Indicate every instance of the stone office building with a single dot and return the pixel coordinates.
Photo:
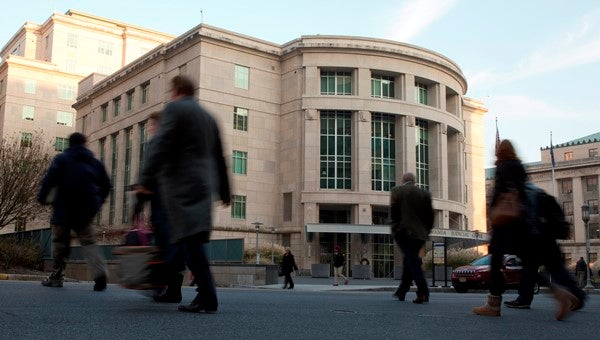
(316, 132)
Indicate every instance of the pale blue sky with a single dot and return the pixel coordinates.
(535, 64)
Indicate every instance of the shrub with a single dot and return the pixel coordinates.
(265, 254)
(20, 254)
(456, 257)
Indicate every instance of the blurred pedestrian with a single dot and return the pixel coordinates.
(288, 265)
(80, 185)
(581, 272)
(339, 260)
(172, 272)
(412, 220)
(186, 158)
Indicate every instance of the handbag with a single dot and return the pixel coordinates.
(140, 267)
(507, 208)
(140, 233)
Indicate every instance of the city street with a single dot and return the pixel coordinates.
(30, 311)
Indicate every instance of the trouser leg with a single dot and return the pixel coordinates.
(197, 261)
(91, 251)
(61, 246)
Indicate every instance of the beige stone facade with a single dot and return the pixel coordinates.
(42, 64)
(316, 131)
(577, 167)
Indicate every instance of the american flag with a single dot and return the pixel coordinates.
(552, 151)
(497, 135)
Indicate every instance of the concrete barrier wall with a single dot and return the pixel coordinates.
(225, 275)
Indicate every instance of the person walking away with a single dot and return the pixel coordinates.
(412, 220)
(581, 272)
(339, 260)
(81, 185)
(186, 158)
(288, 265)
(170, 253)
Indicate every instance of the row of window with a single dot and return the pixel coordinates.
(104, 47)
(116, 109)
(568, 207)
(62, 118)
(590, 184)
(60, 143)
(568, 156)
(65, 91)
(382, 86)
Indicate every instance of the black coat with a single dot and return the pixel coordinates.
(288, 264)
(81, 184)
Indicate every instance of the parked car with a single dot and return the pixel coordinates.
(477, 274)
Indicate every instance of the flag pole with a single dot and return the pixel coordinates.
(553, 163)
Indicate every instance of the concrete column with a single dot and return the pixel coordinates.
(362, 152)
(578, 225)
(441, 93)
(363, 83)
(363, 215)
(409, 88)
(438, 162)
(312, 151)
(313, 82)
(405, 145)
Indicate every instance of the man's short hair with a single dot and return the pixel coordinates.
(77, 139)
(183, 86)
(408, 177)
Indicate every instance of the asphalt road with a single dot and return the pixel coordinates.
(30, 311)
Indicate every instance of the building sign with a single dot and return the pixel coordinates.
(473, 235)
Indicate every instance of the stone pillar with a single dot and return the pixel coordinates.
(311, 150)
(363, 83)
(406, 145)
(409, 87)
(313, 82)
(438, 161)
(362, 152)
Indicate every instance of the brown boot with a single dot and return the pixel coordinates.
(566, 301)
(491, 308)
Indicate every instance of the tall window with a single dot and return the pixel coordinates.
(66, 91)
(105, 47)
(102, 151)
(28, 112)
(240, 119)
(64, 118)
(422, 149)
(103, 112)
(26, 139)
(116, 106)
(113, 178)
(593, 152)
(565, 185)
(336, 83)
(127, 174)
(382, 86)
(568, 208)
(238, 207)
(421, 94)
(30, 85)
(591, 183)
(72, 40)
(143, 145)
(130, 96)
(287, 206)
(593, 206)
(242, 77)
(383, 152)
(336, 150)
(145, 87)
(61, 144)
(240, 160)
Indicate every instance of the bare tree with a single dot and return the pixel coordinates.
(23, 162)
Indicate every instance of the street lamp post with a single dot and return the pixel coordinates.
(585, 216)
(257, 226)
(272, 245)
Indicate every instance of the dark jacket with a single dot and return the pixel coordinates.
(81, 185)
(288, 264)
(412, 211)
(338, 259)
(186, 157)
(510, 174)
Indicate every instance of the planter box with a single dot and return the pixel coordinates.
(320, 269)
(361, 271)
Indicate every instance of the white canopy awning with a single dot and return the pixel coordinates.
(386, 229)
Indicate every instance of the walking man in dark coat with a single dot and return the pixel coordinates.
(186, 158)
(412, 220)
(79, 184)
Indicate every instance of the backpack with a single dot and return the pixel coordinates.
(549, 219)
